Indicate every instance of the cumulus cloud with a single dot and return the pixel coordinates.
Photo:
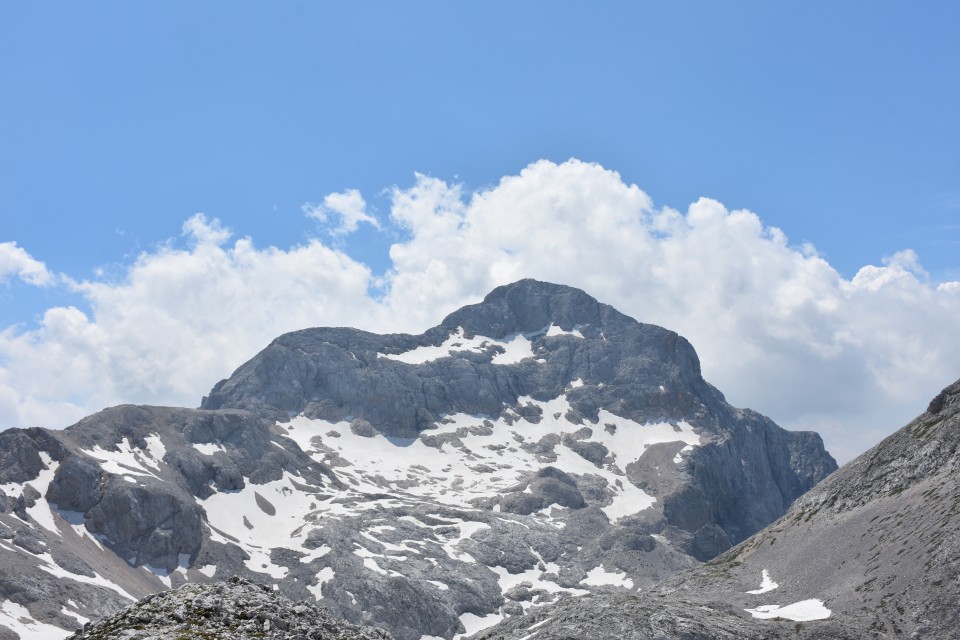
(180, 320)
(14, 261)
(348, 205)
(776, 327)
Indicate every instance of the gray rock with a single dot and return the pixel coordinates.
(386, 551)
(19, 457)
(652, 617)
(744, 476)
(237, 609)
(877, 542)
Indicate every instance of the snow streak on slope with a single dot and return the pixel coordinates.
(803, 611)
(130, 462)
(16, 618)
(509, 350)
(766, 584)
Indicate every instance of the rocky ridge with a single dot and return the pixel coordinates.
(236, 609)
(544, 445)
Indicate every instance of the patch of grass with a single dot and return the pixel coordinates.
(923, 430)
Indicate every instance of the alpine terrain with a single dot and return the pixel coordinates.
(533, 446)
(871, 552)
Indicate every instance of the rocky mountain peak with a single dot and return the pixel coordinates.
(528, 306)
(529, 338)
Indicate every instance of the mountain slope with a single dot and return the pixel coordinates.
(535, 445)
(871, 552)
(878, 541)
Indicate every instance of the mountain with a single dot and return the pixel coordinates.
(535, 445)
(873, 551)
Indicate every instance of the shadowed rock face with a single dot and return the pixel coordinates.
(876, 543)
(537, 444)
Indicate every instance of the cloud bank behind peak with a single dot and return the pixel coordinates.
(777, 328)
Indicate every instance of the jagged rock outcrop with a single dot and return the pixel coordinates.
(237, 609)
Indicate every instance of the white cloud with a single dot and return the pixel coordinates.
(203, 231)
(349, 205)
(776, 327)
(177, 323)
(14, 261)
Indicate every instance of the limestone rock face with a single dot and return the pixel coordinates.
(872, 552)
(237, 609)
(536, 445)
(402, 385)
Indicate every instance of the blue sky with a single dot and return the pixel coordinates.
(834, 122)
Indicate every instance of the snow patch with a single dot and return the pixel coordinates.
(599, 576)
(208, 448)
(515, 349)
(325, 575)
(766, 584)
(474, 623)
(534, 626)
(370, 562)
(677, 459)
(56, 570)
(73, 614)
(555, 330)
(803, 611)
(41, 511)
(154, 451)
(508, 580)
(127, 459)
(313, 554)
(18, 619)
(161, 573)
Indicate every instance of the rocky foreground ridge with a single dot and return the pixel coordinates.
(533, 446)
(237, 609)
